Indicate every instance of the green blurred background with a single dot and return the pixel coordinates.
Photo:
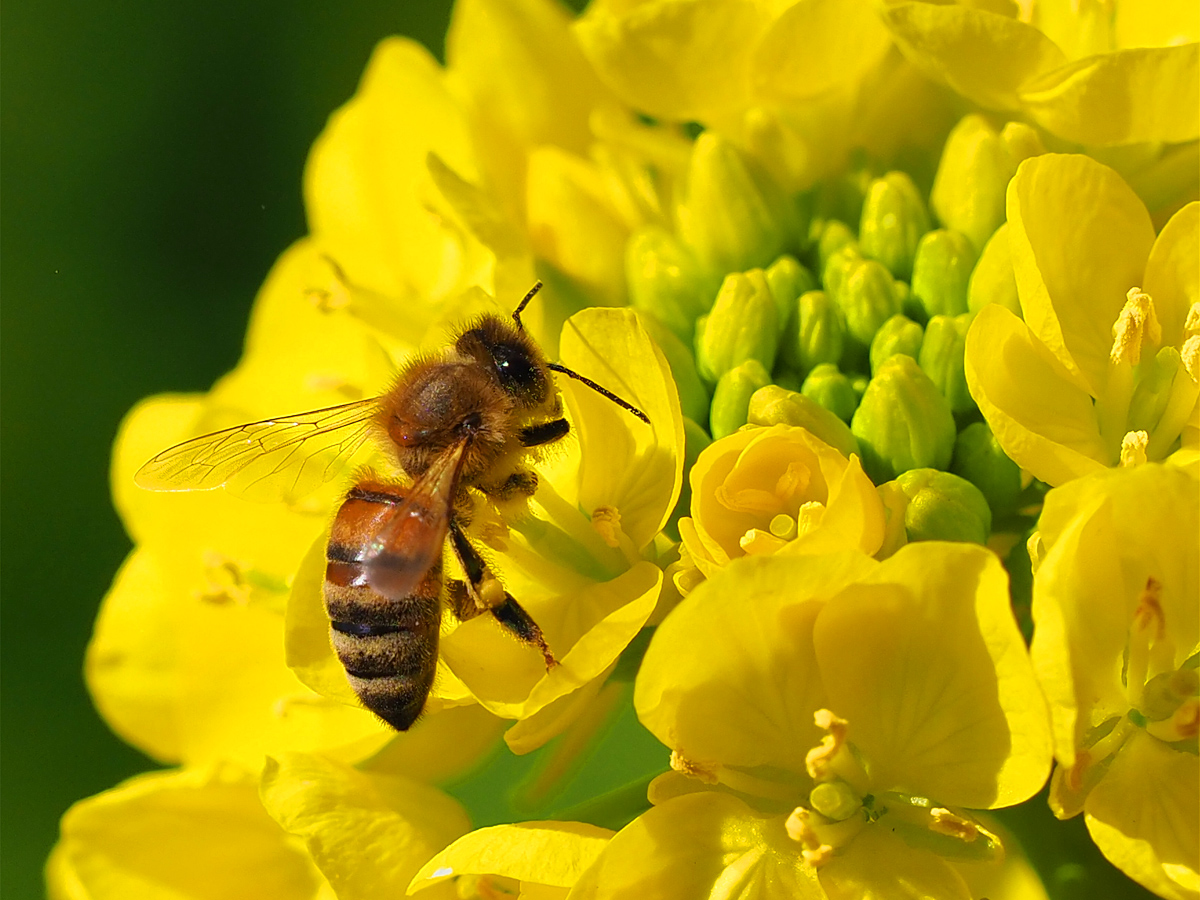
(150, 175)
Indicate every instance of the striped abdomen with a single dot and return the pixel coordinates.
(389, 647)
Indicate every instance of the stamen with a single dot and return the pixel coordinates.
(1133, 448)
(809, 517)
(799, 829)
(1147, 628)
(757, 542)
(705, 772)
(1136, 328)
(818, 760)
(953, 825)
(1183, 725)
(1192, 323)
(607, 522)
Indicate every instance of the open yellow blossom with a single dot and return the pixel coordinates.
(1108, 347)
(841, 715)
(778, 489)
(1116, 605)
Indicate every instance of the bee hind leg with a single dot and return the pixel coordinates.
(482, 592)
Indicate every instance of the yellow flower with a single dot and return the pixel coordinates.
(1103, 369)
(1098, 73)
(767, 490)
(1116, 603)
(842, 712)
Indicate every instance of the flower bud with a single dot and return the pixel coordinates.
(941, 358)
(787, 280)
(941, 272)
(743, 325)
(773, 405)
(992, 280)
(693, 396)
(893, 220)
(972, 178)
(834, 236)
(979, 459)
(814, 333)
(836, 269)
(944, 507)
(899, 334)
(867, 299)
(664, 280)
(731, 399)
(832, 390)
(734, 217)
(902, 422)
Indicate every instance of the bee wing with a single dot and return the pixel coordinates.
(273, 459)
(410, 542)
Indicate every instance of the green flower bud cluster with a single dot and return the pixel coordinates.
(843, 309)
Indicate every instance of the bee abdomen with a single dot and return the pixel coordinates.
(388, 646)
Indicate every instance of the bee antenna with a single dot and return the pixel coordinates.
(624, 404)
(537, 286)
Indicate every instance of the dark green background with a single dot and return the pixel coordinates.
(150, 169)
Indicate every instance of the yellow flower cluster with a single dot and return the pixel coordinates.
(892, 352)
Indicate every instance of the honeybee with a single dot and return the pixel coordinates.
(459, 425)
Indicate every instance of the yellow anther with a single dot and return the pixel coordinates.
(607, 522)
(1192, 323)
(1136, 327)
(706, 772)
(1190, 354)
(799, 826)
(793, 482)
(1036, 549)
(757, 542)
(1148, 616)
(1133, 448)
(952, 825)
(818, 760)
(490, 594)
(809, 517)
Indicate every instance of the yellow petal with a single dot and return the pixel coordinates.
(1143, 816)
(983, 55)
(1080, 238)
(368, 834)
(1130, 96)
(439, 747)
(1173, 272)
(626, 464)
(748, 699)
(700, 845)
(367, 191)
(198, 834)
(1042, 417)
(877, 865)
(550, 853)
(678, 60)
(925, 661)
(843, 40)
(587, 632)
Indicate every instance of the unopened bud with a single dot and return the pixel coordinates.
(834, 236)
(902, 422)
(665, 280)
(773, 405)
(734, 216)
(830, 388)
(972, 179)
(893, 219)
(941, 272)
(814, 333)
(836, 268)
(743, 325)
(867, 299)
(731, 399)
(979, 459)
(899, 334)
(787, 280)
(941, 358)
(992, 280)
(943, 507)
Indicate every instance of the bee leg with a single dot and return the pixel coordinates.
(485, 590)
(544, 432)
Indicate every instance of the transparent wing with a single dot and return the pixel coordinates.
(279, 458)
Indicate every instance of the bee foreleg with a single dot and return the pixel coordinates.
(544, 432)
(483, 591)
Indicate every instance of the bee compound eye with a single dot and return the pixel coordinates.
(515, 368)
